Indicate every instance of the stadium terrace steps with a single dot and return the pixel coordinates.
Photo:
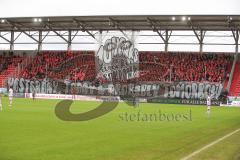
(14, 67)
(228, 71)
(235, 86)
(12, 64)
(4, 74)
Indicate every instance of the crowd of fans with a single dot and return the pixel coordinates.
(79, 68)
(5, 61)
(153, 66)
(61, 65)
(184, 66)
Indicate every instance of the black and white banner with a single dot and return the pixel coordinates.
(117, 60)
(182, 90)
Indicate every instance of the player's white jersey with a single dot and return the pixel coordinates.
(0, 103)
(10, 92)
(209, 101)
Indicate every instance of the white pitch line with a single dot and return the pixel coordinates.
(209, 145)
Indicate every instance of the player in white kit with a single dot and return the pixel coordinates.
(10, 96)
(209, 98)
(1, 102)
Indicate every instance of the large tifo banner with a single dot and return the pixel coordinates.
(179, 90)
(117, 59)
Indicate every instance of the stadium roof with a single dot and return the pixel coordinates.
(128, 22)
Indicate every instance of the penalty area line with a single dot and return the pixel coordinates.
(209, 145)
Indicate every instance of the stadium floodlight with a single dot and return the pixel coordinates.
(35, 20)
(3, 21)
(173, 18)
(229, 19)
(39, 20)
(183, 18)
(189, 18)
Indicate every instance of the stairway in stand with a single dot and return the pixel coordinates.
(5, 73)
(235, 86)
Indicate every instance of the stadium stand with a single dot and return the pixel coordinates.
(154, 66)
(8, 65)
(61, 65)
(235, 86)
(157, 66)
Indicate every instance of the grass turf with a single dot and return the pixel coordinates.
(31, 131)
(227, 149)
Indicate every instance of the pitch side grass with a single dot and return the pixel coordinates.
(31, 131)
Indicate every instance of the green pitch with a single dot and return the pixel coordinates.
(31, 131)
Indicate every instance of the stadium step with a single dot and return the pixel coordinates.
(235, 86)
(229, 67)
(4, 74)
